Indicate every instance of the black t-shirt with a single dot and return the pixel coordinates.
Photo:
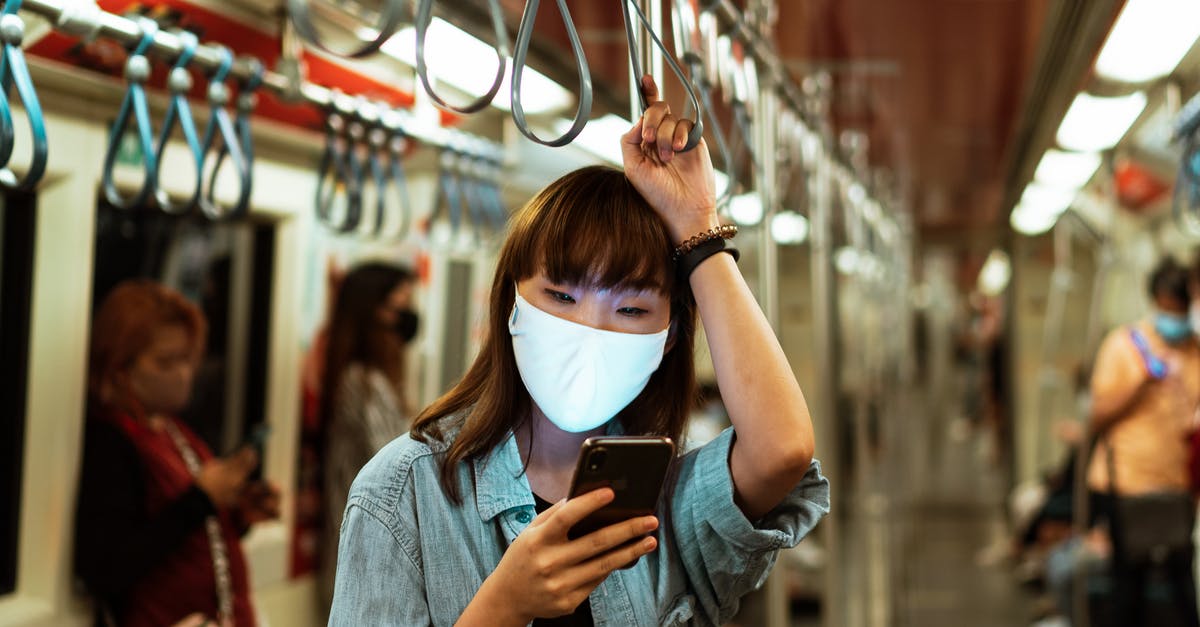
(582, 616)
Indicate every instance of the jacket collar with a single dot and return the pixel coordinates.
(500, 481)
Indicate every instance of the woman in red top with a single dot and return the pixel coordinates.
(159, 519)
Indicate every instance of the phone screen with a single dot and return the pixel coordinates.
(635, 467)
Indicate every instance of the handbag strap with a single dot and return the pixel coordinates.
(212, 527)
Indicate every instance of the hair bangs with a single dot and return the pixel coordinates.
(597, 231)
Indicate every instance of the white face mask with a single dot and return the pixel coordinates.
(580, 377)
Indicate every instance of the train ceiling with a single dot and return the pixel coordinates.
(938, 87)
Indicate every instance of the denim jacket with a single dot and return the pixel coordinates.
(409, 556)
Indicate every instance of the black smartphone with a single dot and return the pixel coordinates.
(635, 467)
(257, 439)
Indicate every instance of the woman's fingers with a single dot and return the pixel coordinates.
(575, 510)
(599, 567)
(665, 139)
(649, 89)
(682, 129)
(608, 538)
(545, 515)
(653, 119)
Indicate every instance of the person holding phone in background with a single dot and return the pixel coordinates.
(591, 327)
(159, 517)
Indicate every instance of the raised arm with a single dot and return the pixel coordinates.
(774, 445)
(1118, 379)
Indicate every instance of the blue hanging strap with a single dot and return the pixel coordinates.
(247, 100)
(220, 127)
(14, 71)
(424, 18)
(697, 130)
(1155, 366)
(447, 193)
(356, 176)
(583, 109)
(335, 178)
(137, 71)
(468, 185)
(395, 148)
(330, 171)
(179, 83)
(496, 209)
(376, 140)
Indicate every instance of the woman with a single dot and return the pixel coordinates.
(363, 405)
(158, 527)
(440, 526)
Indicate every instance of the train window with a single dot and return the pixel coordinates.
(17, 223)
(225, 268)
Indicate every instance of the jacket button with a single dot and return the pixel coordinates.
(524, 517)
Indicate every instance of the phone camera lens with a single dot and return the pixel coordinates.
(596, 460)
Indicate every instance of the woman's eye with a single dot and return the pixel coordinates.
(561, 297)
(631, 311)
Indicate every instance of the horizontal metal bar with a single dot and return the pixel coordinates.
(85, 19)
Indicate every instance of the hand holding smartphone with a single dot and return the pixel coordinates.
(634, 467)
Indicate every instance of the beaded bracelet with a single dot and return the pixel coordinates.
(725, 231)
(688, 262)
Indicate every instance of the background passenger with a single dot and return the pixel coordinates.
(440, 527)
(363, 404)
(159, 521)
(1145, 395)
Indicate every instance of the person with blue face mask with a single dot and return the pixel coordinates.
(591, 327)
(1145, 391)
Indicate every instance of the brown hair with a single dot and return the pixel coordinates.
(590, 227)
(124, 326)
(357, 336)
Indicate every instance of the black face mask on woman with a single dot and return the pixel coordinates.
(406, 324)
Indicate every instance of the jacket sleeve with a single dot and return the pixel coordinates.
(724, 554)
(379, 578)
(116, 543)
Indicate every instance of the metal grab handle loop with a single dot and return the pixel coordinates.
(690, 32)
(398, 180)
(583, 109)
(423, 19)
(179, 82)
(15, 72)
(221, 125)
(137, 70)
(389, 21)
(697, 131)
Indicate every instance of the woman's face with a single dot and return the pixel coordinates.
(161, 377)
(620, 310)
(398, 300)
